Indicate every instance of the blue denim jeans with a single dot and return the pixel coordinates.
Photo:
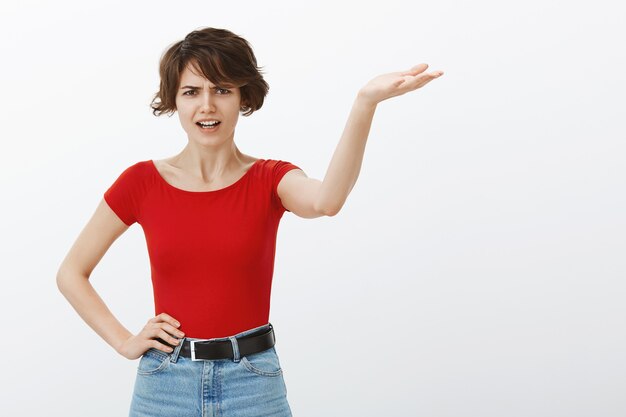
(170, 385)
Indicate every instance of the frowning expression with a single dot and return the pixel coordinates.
(207, 112)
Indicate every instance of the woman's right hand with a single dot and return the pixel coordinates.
(162, 326)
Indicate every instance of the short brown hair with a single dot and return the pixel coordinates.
(219, 55)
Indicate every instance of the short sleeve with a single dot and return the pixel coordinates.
(279, 170)
(125, 194)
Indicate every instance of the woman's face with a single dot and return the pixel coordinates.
(197, 99)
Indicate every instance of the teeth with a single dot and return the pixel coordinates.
(212, 123)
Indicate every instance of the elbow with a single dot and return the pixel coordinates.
(327, 209)
(330, 212)
(65, 279)
(61, 282)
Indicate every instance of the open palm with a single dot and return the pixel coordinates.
(394, 84)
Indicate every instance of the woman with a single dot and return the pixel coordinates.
(210, 215)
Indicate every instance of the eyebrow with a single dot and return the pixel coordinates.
(197, 88)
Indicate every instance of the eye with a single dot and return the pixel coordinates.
(222, 91)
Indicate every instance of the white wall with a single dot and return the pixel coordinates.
(477, 268)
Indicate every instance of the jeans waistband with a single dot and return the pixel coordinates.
(232, 339)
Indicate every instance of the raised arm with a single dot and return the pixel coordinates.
(308, 197)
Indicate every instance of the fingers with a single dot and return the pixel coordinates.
(166, 318)
(431, 75)
(165, 336)
(172, 330)
(170, 324)
(165, 327)
(424, 79)
(419, 79)
(158, 345)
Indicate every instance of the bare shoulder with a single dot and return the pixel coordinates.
(164, 166)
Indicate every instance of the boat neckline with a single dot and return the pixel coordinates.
(240, 180)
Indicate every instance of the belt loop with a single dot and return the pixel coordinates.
(233, 341)
(175, 353)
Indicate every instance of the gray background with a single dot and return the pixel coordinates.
(477, 268)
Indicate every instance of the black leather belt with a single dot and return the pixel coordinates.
(223, 349)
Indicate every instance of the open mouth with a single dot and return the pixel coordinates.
(208, 125)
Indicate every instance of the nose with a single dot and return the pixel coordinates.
(207, 101)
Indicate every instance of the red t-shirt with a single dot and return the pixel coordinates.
(211, 252)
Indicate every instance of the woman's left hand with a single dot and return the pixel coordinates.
(397, 83)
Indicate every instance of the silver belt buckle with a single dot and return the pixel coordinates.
(192, 346)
